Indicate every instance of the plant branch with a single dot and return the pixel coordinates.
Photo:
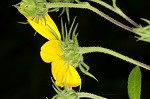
(117, 10)
(89, 95)
(86, 5)
(84, 50)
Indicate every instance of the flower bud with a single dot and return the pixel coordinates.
(32, 8)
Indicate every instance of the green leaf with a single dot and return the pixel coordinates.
(134, 83)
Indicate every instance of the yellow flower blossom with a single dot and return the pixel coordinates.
(63, 54)
(51, 51)
(63, 72)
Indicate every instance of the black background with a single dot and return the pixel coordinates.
(25, 76)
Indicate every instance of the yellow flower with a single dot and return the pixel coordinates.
(45, 26)
(51, 51)
(62, 71)
(64, 54)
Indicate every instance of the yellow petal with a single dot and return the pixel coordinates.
(51, 51)
(43, 26)
(72, 77)
(51, 23)
(59, 70)
(65, 74)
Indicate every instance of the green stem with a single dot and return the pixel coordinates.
(89, 95)
(116, 10)
(84, 50)
(86, 5)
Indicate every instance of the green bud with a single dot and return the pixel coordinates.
(33, 8)
(67, 93)
(143, 32)
(70, 44)
(71, 54)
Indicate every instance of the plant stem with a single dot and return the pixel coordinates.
(116, 10)
(86, 5)
(84, 50)
(89, 95)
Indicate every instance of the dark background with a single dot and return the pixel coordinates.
(25, 76)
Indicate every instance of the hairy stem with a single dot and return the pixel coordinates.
(84, 50)
(116, 10)
(86, 5)
(89, 95)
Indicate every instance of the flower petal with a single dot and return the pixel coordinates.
(65, 74)
(43, 26)
(59, 70)
(72, 77)
(51, 51)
